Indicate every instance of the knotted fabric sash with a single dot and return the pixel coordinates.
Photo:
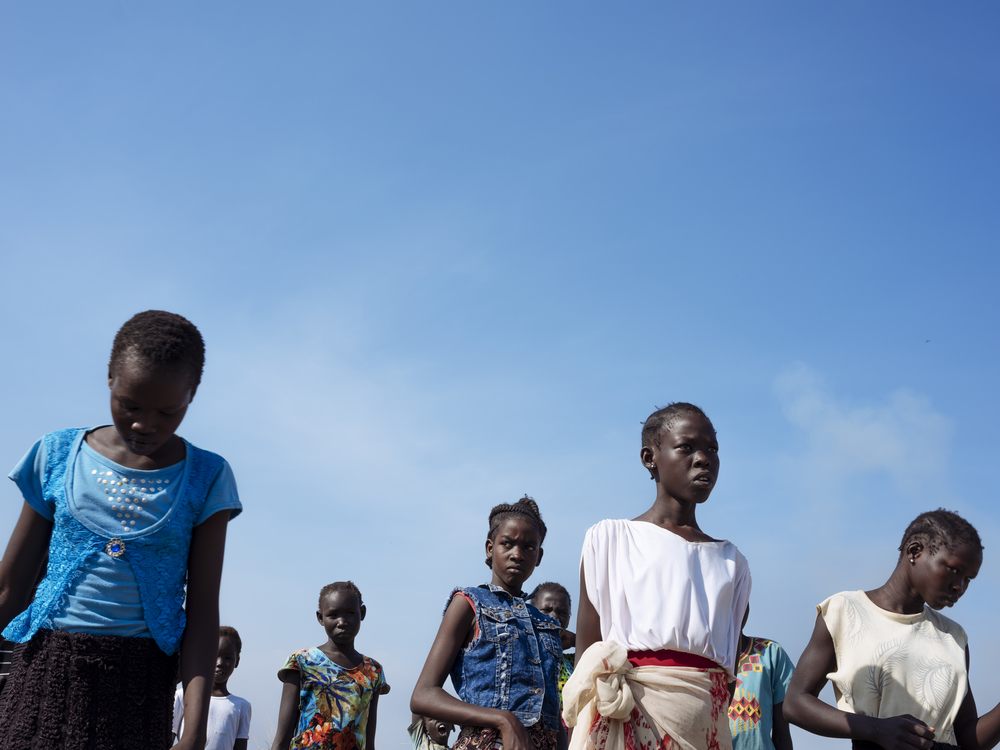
(615, 706)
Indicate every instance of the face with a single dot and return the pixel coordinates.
(686, 463)
(943, 577)
(341, 616)
(515, 551)
(438, 731)
(226, 661)
(555, 604)
(147, 405)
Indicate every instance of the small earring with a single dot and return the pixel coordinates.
(913, 561)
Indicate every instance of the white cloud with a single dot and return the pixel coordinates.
(903, 435)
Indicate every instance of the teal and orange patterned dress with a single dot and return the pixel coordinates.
(333, 700)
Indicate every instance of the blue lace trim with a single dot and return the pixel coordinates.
(158, 560)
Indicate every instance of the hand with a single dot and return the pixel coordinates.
(513, 735)
(903, 733)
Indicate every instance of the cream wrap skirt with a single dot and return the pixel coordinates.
(615, 706)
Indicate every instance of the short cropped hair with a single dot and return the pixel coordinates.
(347, 586)
(551, 587)
(663, 419)
(231, 633)
(160, 339)
(941, 528)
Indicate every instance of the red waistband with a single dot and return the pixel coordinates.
(666, 657)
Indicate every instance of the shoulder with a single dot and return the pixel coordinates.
(948, 626)
(373, 669)
(241, 704)
(610, 531)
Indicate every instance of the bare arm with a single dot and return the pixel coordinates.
(430, 699)
(975, 732)
(288, 711)
(588, 621)
(803, 707)
(200, 643)
(372, 721)
(29, 542)
(781, 735)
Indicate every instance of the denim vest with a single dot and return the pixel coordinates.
(513, 662)
(158, 558)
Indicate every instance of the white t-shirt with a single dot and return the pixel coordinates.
(890, 664)
(655, 590)
(228, 720)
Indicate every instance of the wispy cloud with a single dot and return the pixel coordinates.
(901, 435)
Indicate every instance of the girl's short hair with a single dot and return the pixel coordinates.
(551, 587)
(347, 586)
(227, 631)
(161, 339)
(663, 419)
(525, 508)
(941, 528)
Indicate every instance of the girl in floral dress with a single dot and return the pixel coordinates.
(330, 693)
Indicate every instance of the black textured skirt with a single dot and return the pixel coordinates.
(77, 691)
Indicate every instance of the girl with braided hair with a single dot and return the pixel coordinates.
(503, 655)
(899, 668)
(133, 518)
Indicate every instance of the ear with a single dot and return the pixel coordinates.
(194, 390)
(489, 548)
(237, 661)
(364, 611)
(913, 550)
(648, 458)
(319, 617)
(541, 551)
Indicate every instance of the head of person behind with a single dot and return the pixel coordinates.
(553, 599)
(890, 636)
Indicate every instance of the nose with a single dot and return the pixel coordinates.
(701, 459)
(516, 553)
(144, 425)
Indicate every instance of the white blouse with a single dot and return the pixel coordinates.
(656, 590)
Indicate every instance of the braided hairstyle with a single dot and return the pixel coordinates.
(159, 339)
(230, 633)
(940, 528)
(663, 419)
(347, 586)
(526, 508)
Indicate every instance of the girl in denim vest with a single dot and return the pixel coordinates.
(503, 655)
(128, 514)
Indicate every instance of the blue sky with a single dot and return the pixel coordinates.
(445, 254)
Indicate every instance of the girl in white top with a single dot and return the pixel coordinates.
(899, 668)
(661, 606)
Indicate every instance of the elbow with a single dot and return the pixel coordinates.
(416, 701)
(790, 707)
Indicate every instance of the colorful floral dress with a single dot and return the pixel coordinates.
(333, 700)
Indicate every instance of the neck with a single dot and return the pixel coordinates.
(672, 514)
(342, 653)
(744, 643)
(897, 594)
(513, 592)
(220, 689)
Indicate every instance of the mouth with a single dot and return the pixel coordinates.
(704, 479)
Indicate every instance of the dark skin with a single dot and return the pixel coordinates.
(341, 616)
(515, 551)
(937, 579)
(225, 663)
(147, 406)
(685, 467)
(556, 604)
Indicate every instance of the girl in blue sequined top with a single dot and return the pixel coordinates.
(133, 520)
(503, 655)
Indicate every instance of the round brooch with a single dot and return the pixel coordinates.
(115, 548)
